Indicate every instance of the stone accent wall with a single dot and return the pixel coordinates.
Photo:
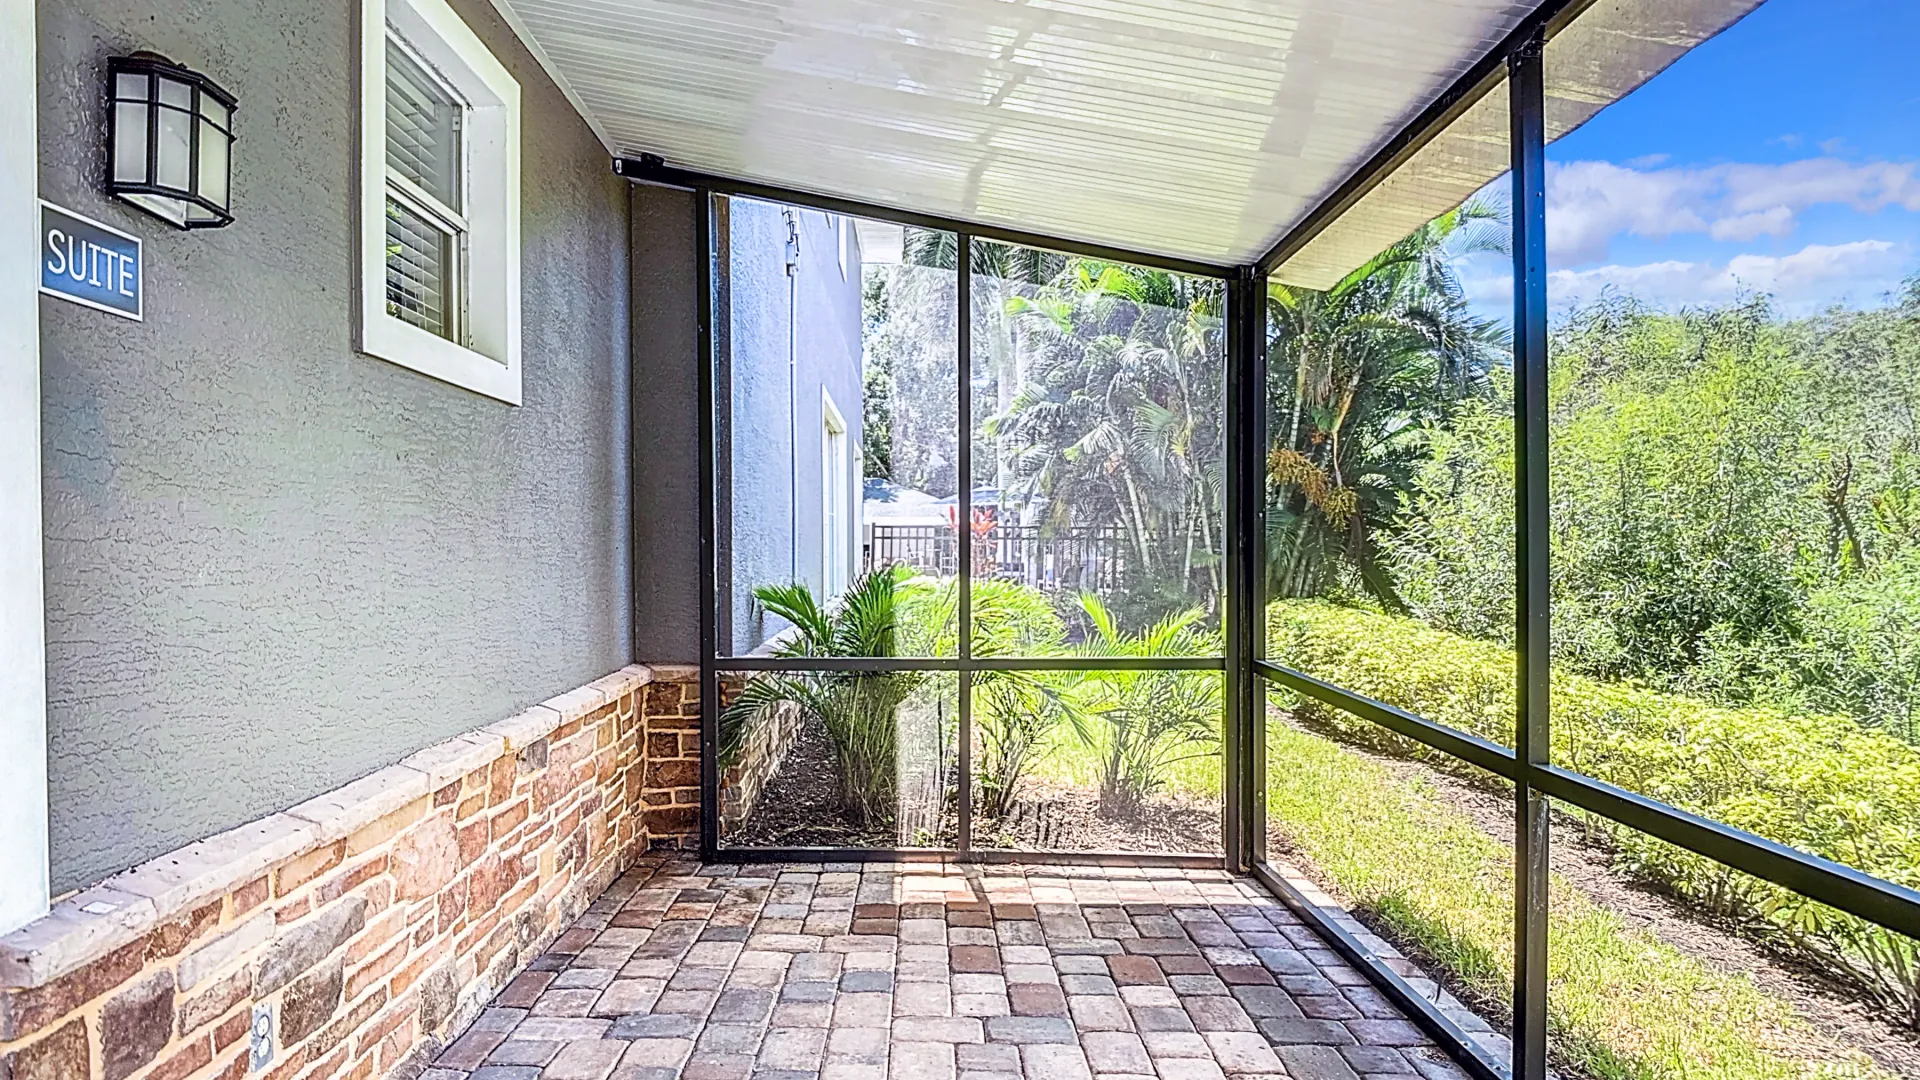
(348, 936)
(760, 757)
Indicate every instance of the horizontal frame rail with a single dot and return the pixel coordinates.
(1883, 903)
(1472, 749)
(654, 171)
(974, 855)
(978, 663)
(1422, 1011)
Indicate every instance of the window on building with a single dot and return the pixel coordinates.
(849, 248)
(836, 487)
(440, 275)
(426, 175)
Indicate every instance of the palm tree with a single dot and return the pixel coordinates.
(1000, 273)
(1118, 421)
(1151, 720)
(1373, 360)
(858, 709)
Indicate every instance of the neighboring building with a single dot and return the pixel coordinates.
(788, 362)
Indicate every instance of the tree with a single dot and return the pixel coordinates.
(856, 708)
(1360, 372)
(1117, 421)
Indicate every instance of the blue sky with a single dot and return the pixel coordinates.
(1783, 156)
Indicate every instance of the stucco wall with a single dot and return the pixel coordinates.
(813, 321)
(274, 564)
(666, 444)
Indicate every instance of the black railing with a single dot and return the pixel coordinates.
(1086, 558)
(930, 549)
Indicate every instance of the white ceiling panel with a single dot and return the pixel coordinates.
(1201, 129)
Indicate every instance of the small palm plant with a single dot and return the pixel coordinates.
(1151, 720)
(1014, 712)
(857, 708)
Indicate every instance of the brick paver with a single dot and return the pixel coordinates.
(877, 971)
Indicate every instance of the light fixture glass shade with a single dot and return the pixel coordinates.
(170, 130)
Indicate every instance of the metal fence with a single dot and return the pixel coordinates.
(1075, 559)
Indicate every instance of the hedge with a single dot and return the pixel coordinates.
(1819, 783)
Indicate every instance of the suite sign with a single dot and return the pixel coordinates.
(89, 263)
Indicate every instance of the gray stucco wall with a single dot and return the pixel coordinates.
(811, 320)
(666, 443)
(274, 564)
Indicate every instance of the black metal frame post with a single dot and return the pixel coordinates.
(708, 512)
(1253, 537)
(1244, 831)
(1532, 584)
(1237, 674)
(963, 523)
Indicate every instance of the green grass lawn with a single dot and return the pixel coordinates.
(1065, 759)
(1622, 1004)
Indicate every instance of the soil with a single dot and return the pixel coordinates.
(801, 808)
(1836, 1015)
(1055, 817)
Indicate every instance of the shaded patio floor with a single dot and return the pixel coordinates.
(888, 971)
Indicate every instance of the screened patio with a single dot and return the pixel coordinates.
(1058, 763)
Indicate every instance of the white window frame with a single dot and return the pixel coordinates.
(836, 502)
(486, 292)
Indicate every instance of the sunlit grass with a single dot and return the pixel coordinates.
(1067, 760)
(1622, 1004)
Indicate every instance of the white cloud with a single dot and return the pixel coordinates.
(1591, 202)
(1743, 227)
(1814, 266)
(1804, 281)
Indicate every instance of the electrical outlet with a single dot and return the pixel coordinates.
(260, 1044)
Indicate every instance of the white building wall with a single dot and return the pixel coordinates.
(23, 686)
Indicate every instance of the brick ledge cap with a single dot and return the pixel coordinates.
(137, 900)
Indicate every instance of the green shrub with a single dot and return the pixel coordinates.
(1013, 711)
(1150, 721)
(1819, 783)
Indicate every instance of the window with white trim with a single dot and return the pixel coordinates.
(440, 199)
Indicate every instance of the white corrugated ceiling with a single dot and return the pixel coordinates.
(1194, 128)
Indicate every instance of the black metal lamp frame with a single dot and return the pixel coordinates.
(1515, 68)
(153, 68)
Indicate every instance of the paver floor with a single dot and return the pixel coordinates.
(889, 971)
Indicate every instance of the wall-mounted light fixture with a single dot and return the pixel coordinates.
(170, 134)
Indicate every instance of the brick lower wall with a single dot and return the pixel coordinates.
(347, 936)
(671, 793)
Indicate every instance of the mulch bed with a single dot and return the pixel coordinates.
(801, 808)
(1056, 817)
(801, 805)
